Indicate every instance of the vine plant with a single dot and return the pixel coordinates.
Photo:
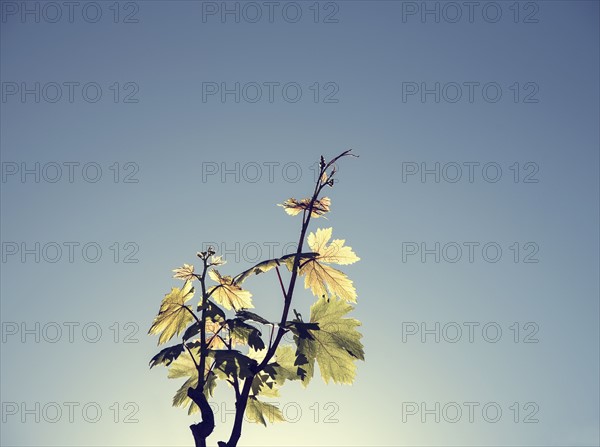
(221, 340)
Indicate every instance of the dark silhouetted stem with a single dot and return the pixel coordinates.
(240, 406)
(203, 429)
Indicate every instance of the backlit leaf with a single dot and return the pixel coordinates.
(173, 316)
(334, 253)
(233, 363)
(302, 329)
(284, 366)
(229, 294)
(336, 345)
(294, 207)
(261, 412)
(217, 260)
(265, 266)
(191, 331)
(167, 355)
(184, 367)
(186, 273)
(323, 279)
(247, 315)
(213, 312)
(263, 385)
(244, 333)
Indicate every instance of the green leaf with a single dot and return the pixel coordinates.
(213, 312)
(191, 331)
(181, 398)
(265, 266)
(261, 412)
(294, 207)
(247, 315)
(306, 353)
(173, 316)
(302, 329)
(284, 366)
(210, 384)
(184, 367)
(233, 363)
(245, 333)
(255, 341)
(300, 359)
(336, 344)
(167, 355)
(262, 385)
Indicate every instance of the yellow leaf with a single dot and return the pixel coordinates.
(228, 294)
(335, 346)
(173, 316)
(334, 253)
(259, 412)
(294, 207)
(186, 273)
(184, 366)
(215, 341)
(322, 278)
(217, 260)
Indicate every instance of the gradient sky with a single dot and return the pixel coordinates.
(371, 55)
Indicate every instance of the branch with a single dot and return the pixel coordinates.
(271, 337)
(212, 367)
(194, 315)
(226, 343)
(215, 335)
(191, 355)
(280, 282)
(203, 345)
(343, 154)
(243, 397)
(236, 387)
(288, 296)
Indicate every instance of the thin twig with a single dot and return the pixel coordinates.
(191, 355)
(193, 315)
(280, 282)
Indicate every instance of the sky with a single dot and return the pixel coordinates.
(134, 134)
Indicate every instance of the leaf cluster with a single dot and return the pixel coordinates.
(222, 341)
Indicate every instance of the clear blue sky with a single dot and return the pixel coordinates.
(156, 93)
